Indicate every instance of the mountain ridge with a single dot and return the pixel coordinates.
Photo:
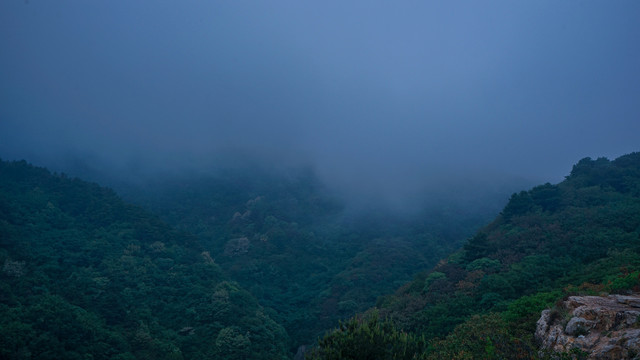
(581, 236)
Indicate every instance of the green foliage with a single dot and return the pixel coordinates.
(440, 318)
(497, 284)
(481, 337)
(519, 204)
(432, 277)
(291, 245)
(477, 247)
(625, 282)
(485, 264)
(232, 344)
(547, 196)
(164, 292)
(368, 337)
(529, 307)
(52, 328)
(579, 236)
(85, 275)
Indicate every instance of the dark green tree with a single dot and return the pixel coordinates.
(368, 338)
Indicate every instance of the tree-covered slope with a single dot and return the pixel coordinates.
(579, 236)
(289, 242)
(85, 275)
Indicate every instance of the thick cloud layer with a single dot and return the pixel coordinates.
(381, 97)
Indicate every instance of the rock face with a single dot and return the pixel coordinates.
(604, 327)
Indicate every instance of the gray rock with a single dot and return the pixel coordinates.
(606, 327)
(578, 326)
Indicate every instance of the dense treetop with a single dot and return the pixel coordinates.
(85, 274)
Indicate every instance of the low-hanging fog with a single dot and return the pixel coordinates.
(384, 98)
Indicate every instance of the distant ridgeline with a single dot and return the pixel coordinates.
(85, 275)
(579, 237)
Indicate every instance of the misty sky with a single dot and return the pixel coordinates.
(374, 94)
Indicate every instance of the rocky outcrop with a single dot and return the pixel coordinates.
(603, 327)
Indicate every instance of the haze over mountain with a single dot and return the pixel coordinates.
(380, 98)
(239, 136)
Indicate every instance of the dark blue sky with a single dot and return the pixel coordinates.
(378, 95)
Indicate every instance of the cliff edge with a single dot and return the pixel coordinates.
(604, 327)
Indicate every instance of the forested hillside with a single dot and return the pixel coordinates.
(581, 236)
(287, 240)
(84, 275)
